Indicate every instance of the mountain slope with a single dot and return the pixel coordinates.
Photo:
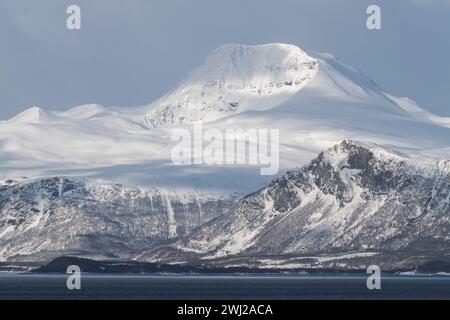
(351, 198)
(46, 218)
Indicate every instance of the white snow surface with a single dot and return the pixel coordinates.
(314, 99)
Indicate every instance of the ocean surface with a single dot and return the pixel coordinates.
(223, 287)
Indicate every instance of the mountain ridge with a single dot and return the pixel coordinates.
(349, 199)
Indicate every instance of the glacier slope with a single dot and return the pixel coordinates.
(313, 99)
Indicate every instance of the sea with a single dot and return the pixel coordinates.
(223, 287)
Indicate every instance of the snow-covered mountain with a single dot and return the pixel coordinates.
(350, 199)
(235, 79)
(46, 218)
(314, 100)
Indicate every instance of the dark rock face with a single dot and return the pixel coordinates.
(349, 199)
(44, 218)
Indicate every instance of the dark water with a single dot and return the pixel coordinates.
(222, 287)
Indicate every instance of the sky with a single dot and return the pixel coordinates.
(129, 53)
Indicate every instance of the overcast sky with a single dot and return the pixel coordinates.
(131, 52)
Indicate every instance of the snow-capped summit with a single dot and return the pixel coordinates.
(262, 68)
(33, 115)
(238, 78)
(233, 79)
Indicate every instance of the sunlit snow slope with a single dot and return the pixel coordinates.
(315, 101)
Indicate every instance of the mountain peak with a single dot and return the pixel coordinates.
(31, 115)
(355, 155)
(338, 155)
(233, 79)
(260, 68)
(268, 52)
